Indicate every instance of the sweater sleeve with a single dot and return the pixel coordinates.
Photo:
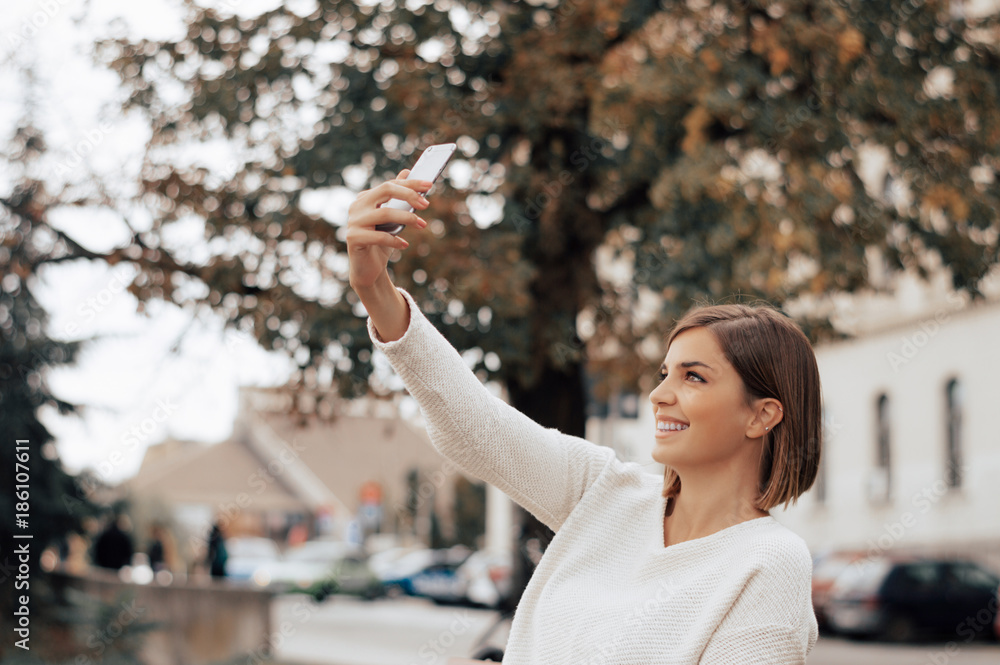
(542, 469)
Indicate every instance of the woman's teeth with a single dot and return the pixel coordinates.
(669, 427)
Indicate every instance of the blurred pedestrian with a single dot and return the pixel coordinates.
(217, 554)
(162, 548)
(687, 566)
(114, 548)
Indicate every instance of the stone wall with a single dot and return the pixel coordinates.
(196, 622)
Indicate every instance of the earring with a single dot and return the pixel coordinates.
(766, 428)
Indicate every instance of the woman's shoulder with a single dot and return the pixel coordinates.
(627, 482)
(777, 548)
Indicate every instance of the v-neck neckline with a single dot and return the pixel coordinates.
(671, 548)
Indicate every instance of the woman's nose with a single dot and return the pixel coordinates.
(662, 394)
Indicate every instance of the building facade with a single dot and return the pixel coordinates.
(910, 458)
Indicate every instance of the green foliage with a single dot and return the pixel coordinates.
(811, 84)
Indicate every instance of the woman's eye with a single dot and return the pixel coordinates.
(663, 375)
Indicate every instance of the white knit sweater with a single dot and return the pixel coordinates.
(607, 591)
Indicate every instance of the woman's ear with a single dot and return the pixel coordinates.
(769, 413)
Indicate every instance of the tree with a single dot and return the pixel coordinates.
(714, 148)
(40, 499)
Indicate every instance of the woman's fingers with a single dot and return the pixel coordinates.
(359, 237)
(366, 212)
(368, 249)
(372, 217)
(403, 190)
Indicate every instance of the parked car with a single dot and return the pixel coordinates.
(313, 560)
(428, 573)
(487, 578)
(902, 599)
(386, 562)
(826, 569)
(351, 576)
(252, 558)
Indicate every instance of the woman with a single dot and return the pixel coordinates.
(688, 568)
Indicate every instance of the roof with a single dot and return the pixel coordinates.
(276, 461)
(351, 450)
(216, 474)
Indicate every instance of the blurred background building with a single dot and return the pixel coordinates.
(911, 455)
(341, 472)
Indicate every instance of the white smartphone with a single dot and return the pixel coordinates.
(429, 166)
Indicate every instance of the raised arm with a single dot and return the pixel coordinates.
(540, 468)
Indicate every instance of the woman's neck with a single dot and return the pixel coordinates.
(687, 519)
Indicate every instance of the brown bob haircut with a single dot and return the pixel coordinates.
(774, 359)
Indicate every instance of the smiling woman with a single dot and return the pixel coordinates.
(685, 568)
(752, 413)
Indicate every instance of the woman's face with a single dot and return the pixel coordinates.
(701, 389)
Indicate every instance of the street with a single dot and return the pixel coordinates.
(347, 631)
(414, 631)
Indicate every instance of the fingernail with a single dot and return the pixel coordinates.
(405, 244)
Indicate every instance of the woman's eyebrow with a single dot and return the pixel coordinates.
(689, 363)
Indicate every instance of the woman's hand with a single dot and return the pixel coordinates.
(368, 250)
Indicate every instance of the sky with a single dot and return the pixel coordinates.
(165, 373)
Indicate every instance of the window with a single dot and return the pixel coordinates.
(953, 421)
(971, 576)
(880, 488)
(916, 577)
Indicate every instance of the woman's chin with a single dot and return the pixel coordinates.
(676, 454)
(666, 457)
